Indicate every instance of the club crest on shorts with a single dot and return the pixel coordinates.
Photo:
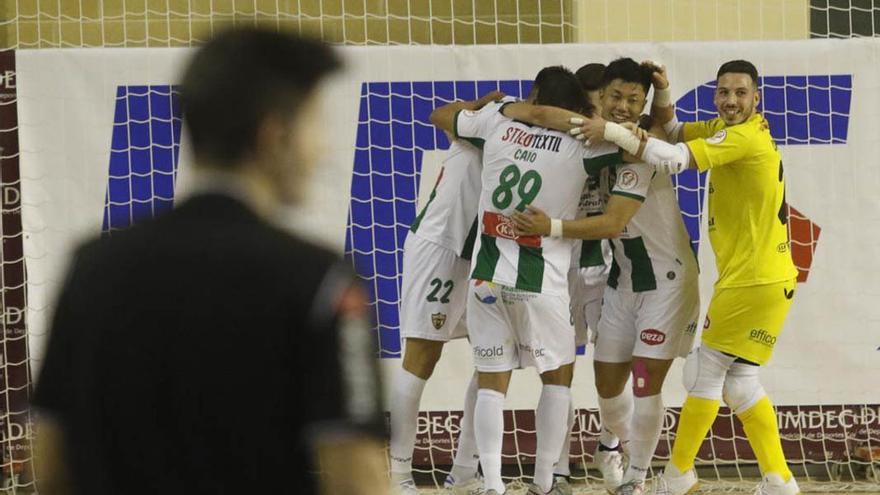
(438, 320)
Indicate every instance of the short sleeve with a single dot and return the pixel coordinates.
(597, 157)
(475, 126)
(725, 146)
(701, 129)
(633, 180)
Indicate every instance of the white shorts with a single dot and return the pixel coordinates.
(433, 292)
(511, 328)
(658, 324)
(585, 290)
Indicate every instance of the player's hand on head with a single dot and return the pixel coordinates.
(636, 130)
(658, 74)
(532, 221)
(488, 98)
(591, 129)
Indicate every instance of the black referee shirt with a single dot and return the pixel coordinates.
(201, 352)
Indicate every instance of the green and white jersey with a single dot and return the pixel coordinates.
(449, 218)
(593, 255)
(654, 249)
(525, 165)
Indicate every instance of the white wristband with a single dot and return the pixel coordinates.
(662, 97)
(555, 228)
(622, 137)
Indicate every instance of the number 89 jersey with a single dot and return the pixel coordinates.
(524, 165)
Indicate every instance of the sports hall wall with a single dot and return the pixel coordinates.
(92, 141)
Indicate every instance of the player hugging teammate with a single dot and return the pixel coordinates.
(514, 194)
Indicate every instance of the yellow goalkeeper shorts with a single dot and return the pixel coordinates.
(745, 321)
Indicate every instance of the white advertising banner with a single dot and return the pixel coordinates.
(101, 147)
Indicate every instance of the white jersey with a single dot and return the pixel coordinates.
(654, 249)
(592, 255)
(449, 218)
(525, 165)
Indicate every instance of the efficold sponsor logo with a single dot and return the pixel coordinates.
(488, 352)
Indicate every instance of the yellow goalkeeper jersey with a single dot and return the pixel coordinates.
(748, 216)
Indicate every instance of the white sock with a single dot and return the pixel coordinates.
(562, 467)
(489, 432)
(551, 419)
(406, 393)
(647, 422)
(615, 414)
(467, 458)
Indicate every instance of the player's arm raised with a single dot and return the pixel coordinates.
(618, 213)
(545, 116)
(444, 116)
(664, 157)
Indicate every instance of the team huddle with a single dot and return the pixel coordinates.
(554, 223)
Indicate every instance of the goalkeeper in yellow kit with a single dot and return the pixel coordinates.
(756, 276)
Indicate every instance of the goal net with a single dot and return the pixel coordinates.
(817, 109)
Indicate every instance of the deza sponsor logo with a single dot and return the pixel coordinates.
(652, 336)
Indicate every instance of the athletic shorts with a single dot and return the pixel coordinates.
(512, 328)
(433, 291)
(657, 324)
(585, 290)
(746, 321)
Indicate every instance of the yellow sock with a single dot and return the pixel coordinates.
(759, 423)
(697, 416)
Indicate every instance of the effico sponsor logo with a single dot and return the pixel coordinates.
(652, 336)
(488, 352)
(762, 337)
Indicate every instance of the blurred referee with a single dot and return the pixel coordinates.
(207, 351)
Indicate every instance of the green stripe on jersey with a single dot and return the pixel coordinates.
(418, 220)
(614, 274)
(530, 269)
(487, 259)
(467, 250)
(595, 165)
(629, 195)
(642, 270)
(591, 254)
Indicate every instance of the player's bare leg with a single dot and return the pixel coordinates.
(615, 413)
(419, 359)
(489, 426)
(551, 425)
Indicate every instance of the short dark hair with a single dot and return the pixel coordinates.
(739, 67)
(240, 78)
(558, 87)
(590, 76)
(627, 70)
